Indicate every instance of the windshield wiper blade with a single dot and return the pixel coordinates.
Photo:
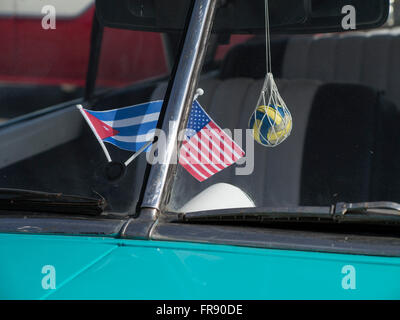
(295, 213)
(374, 212)
(38, 201)
(386, 211)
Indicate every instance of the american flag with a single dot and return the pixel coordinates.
(207, 148)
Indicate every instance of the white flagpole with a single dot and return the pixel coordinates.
(199, 92)
(79, 106)
(137, 153)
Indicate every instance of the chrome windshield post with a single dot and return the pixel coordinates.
(180, 100)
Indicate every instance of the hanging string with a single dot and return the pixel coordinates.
(267, 39)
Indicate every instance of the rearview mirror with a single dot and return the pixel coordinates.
(244, 16)
(342, 15)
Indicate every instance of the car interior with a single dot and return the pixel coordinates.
(341, 89)
(329, 96)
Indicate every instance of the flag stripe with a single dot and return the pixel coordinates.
(128, 112)
(228, 141)
(133, 121)
(214, 159)
(137, 130)
(223, 137)
(225, 157)
(218, 146)
(217, 155)
(135, 139)
(130, 146)
(195, 163)
(193, 171)
(201, 165)
(193, 143)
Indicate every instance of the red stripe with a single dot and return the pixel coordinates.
(228, 140)
(190, 157)
(189, 169)
(206, 150)
(231, 148)
(234, 146)
(201, 170)
(228, 158)
(206, 157)
(196, 157)
(216, 155)
(199, 167)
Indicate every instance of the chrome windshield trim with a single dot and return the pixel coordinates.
(180, 100)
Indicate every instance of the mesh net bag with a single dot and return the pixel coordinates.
(271, 121)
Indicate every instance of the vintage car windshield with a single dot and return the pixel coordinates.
(342, 93)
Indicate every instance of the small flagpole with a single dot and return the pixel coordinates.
(137, 153)
(79, 106)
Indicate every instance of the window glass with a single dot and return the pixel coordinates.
(342, 92)
(130, 56)
(233, 40)
(44, 56)
(59, 152)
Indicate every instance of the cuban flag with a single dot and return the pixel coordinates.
(207, 148)
(127, 128)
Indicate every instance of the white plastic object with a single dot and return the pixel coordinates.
(218, 196)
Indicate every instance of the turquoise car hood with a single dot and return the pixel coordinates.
(75, 267)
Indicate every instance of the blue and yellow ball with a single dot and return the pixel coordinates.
(270, 125)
